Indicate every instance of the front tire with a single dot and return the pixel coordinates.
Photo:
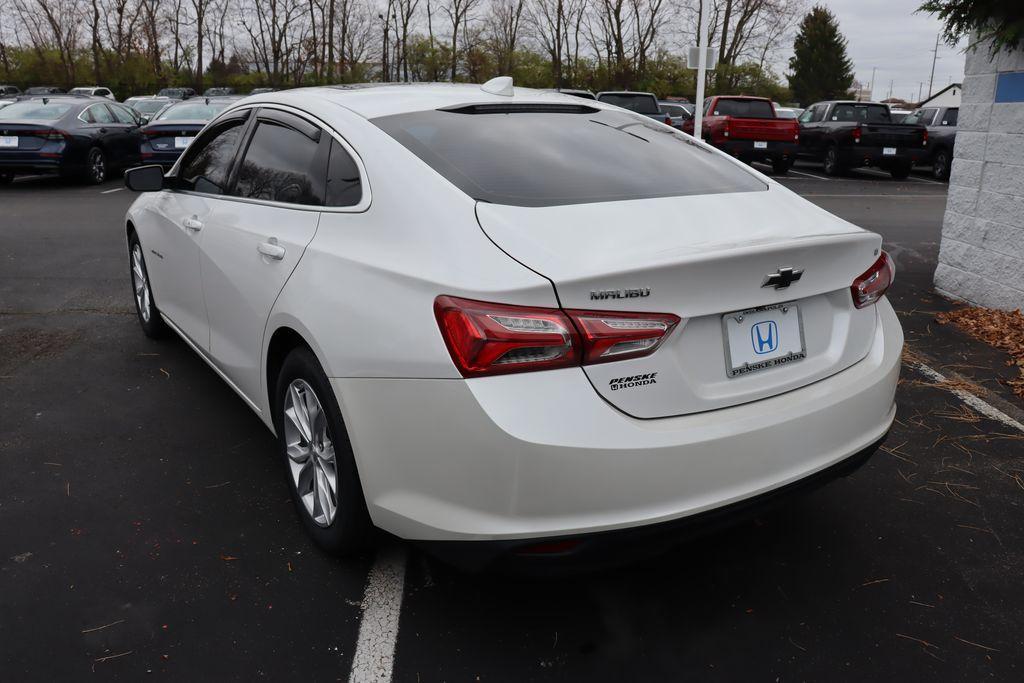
(781, 166)
(318, 456)
(152, 324)
(941, 165)
(6, 178)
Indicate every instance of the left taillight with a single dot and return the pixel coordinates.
(872, 283)
(493, 339)
(47, 134)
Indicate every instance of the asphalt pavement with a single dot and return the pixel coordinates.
(146, 528)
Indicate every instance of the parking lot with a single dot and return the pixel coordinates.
(147, 525)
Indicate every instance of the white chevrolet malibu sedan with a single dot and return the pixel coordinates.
(514, 323)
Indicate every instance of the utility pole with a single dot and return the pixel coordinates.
(919, 86)
(702, 65)
(871, 95)
(890, 89)
(935, 56)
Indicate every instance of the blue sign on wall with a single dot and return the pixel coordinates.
(1010, 86)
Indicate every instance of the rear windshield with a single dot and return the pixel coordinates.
(862, 113)
(147, 106)
(189, 111)
(548, 159)
(638, 102)
(35, 110)
(747, 109)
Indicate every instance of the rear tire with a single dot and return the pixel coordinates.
(153, 326)
(6, 178)
(318, 457)
(833, 165)
(900, 171)
(941, 165)
(95, 167)
(781, 166)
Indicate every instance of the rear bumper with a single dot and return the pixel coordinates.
(745, 149)
(856, 155)
(541, 455)
(30, 163)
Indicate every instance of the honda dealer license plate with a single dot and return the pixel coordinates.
(8, 141)
(182, 143)
(760, 145)
(761, 338)
(889, 151)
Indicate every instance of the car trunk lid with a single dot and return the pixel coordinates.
(703, 257)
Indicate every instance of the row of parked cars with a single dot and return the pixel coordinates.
(89, 137)
(840, 134)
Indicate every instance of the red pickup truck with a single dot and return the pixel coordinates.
(748, 129)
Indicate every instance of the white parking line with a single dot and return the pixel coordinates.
(926, 180)
(809, 175)
(116, 189)
(970, 399)
(374, 659)
(887, 196)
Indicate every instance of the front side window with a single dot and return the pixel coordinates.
(121, 114)
(207, 165)
(526, 157)
(98, 114)
(283, 164)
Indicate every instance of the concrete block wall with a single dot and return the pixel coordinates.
(981, 258)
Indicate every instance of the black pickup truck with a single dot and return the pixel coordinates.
(941, 124)
(845, 134)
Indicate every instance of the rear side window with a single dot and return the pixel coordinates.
(208, 162)
(950, 117)
(282, 164)
(532, 158)
(343, 184)
(640, 103)
(747, 109)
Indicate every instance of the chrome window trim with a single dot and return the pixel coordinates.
(365, 201)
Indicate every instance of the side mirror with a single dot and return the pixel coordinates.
(145, 178)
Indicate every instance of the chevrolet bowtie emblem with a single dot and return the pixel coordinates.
(782, 278)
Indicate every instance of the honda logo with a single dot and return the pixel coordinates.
(764, 337)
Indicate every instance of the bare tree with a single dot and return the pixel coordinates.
(504, 25)
(459, 13)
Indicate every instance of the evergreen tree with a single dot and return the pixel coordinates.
(819, 67)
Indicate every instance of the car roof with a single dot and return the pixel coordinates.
(373, 100)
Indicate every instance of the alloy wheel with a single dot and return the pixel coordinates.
(97, 166)
(939, 166)
(140, 283)
(311, 457)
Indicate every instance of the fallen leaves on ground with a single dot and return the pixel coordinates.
(1002, 329)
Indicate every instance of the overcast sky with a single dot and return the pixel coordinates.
(890, 36)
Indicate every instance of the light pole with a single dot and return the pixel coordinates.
(702, 65)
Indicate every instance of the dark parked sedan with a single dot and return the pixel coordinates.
(170, 131)
(79, 137)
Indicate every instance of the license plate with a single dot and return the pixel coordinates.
(8, 140)
(182, 143)
(889, 151)
(760, 145)
(762, 338)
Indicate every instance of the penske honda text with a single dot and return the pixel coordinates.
(514, 323)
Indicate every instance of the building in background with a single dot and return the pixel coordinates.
(860, 92)
(981, 259)
(949, 96)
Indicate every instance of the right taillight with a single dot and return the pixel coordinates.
(493, 339)
(871, 285)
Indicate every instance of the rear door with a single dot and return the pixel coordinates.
(256, 237)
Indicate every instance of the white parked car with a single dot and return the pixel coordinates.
(94, 91)
(514, 318)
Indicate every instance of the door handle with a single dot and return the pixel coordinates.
(271, 249)
(193, 224)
